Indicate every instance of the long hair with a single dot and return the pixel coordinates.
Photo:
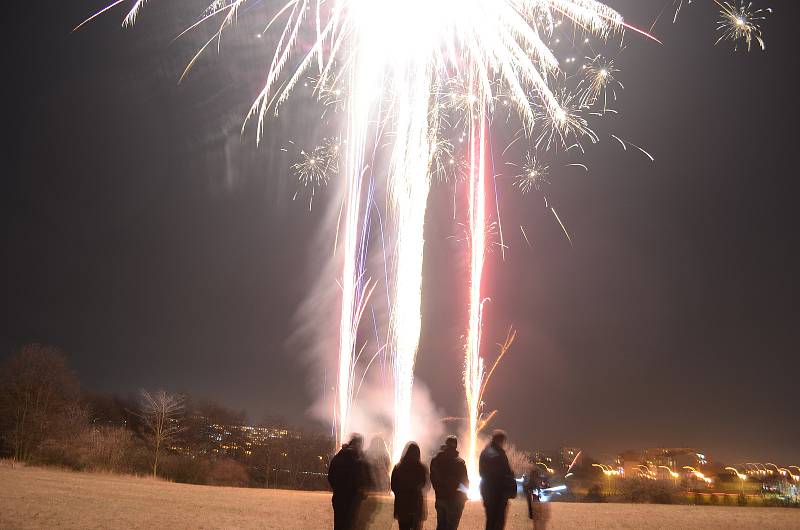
(412, 455)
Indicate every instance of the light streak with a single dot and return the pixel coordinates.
(574, 461)
(625, 143)
(474, 363)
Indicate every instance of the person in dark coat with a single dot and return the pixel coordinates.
(450, 482)
(349, 478)
(409, 480)
(497, 481)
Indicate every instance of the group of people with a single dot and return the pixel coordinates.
(356, 476)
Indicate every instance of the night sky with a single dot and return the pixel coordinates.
(159, 248)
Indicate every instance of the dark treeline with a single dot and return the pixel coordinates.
(45, 419)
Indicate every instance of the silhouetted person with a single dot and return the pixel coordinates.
(497, 481)
(409, 479)
(450, 482)
(538, 509)
(349, 478)
(380, 465)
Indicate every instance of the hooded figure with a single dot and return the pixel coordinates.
(409, 479)
(450, 482)
(380, 465)
(349, 478)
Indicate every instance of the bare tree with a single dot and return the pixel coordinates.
(36, 390)
(160, 413)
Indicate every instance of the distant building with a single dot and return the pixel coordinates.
(631, 463)
(567, 456)
(549, 458)
(674, 457)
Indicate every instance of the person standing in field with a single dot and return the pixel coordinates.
(450, 482)
(536, 485)
(349, 478)
(498, 484)
(409, 480)
(380, 465)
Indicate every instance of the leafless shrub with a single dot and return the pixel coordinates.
(227, 472)
(37, 390)
(160, 413)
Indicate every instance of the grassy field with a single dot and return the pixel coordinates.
(46, 498)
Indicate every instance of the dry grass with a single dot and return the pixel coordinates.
(46, 498)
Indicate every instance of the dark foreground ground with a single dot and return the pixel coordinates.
(46, 498)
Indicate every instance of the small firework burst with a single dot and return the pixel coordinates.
(332, 97)
(533, 176)
(315, 168)
(598, 82)
(448, 164)
(566, 126)
(741, 24)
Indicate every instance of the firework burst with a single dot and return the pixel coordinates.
(568, 126)
(533, 176)
(741, 23)
(598, 82)
(315, 169)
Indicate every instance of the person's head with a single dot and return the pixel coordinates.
(378, 446)
(411, 454)
(499, 438)
(356, 442)
(451, 442)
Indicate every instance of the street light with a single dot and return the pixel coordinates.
(773, 465)
(698, 474)
(672, 474)
(740, 475)
(645, 472)
(607, 471)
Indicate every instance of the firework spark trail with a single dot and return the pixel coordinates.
(410, 184)
(353, 262)
(473, 363)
